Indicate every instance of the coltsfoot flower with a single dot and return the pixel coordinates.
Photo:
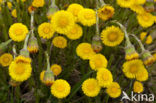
(59, 42)
(87, 17)
(63, 21)
(75, 32)
(38, 3)
(75, 9)
(84, 51)
(112, 36)
(18, 32)
(105, 12)
(33, 45)
(104, 77)
(98, 61)
(131, 53)
(125, 3)
(60, 88)
(90, 87)
(56, 69)
(6, 59)
(114, 90)
(46, 30)
(147, 38)
(148, 58)
(138, 87)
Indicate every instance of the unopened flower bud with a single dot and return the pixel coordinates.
(51, 11)
(149, 6)
(48, 77)
(131, 53)
(148, 58)
(33, 45)
(96, 44)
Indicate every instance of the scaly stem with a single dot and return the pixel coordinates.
(102, 2)
(14, 50)
(139, 41)
(26, 41)
(97, 19)
(48, 64)
(32, 23)
(53, 3)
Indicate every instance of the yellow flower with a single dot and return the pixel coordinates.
(154, 55)
(106, 12)
(9, 4)
(125, 3)
(84, 50)
(75, 9)
(75, 32)
(63, 21)
(98, 61)
(6, 59)
(59, 42)
(114, 90)
(60, 88)
(87, 17)
(132, 56)
(56, 69)
(137, 8)
(46, 30)
(140, 2)
(14, 13)
(31, 8)
(38, 3)
(112, 36)
(149, 61)
(104, 77)
(21, 0)
(145, 19)
(18, 32)
(20, 71)
(142, 76)
(90, 87)
(1, 1)
(138, 87)
(133, 68)
(22, 59)
(148, 39)
(46, 82)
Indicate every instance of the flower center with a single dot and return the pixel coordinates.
(46, 30)
(18, 31)
(60, 88)
(105, 77)
(73, 31)
(98, 63)
(91, 87)
(145, 17)
(133, 69)
(106, 11)
(6, 60)
(112, 37)
(86, 50)
(114, 90)
(19, 70)
(88, 16)
(63, 22)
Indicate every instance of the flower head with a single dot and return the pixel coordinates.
(98, 61)
(56, 69)
(75, 9)
(75, 32)
(6, 59)
(114, 90)
(22, 59)
(138, 87)
(84, 50)
(59, 42)
(20, 71)
(87, 17)
(145, 19)
(106, 12)
(60, 88)
(112, 36)
(148, 58)
(125, 3)
(38, 3)
(131, 53)
(18, 32)
(133, 68)
(63, 21)
(33, 45)
(90, 87)
(137, 8)
(46, 30)
(104, 77)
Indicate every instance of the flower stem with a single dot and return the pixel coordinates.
(48, 63)
(14, 50)
(97, 19)
(26, 41)
(102, 2)
(139, 41)
(32, 23)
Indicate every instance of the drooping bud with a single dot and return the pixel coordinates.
(14, 83)
(149, 6)
(3, 46)
(48, 77)
(96, 43)
(24, 52)
(131, 53)
(148, 58)
(52, 9)
(33, 45)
